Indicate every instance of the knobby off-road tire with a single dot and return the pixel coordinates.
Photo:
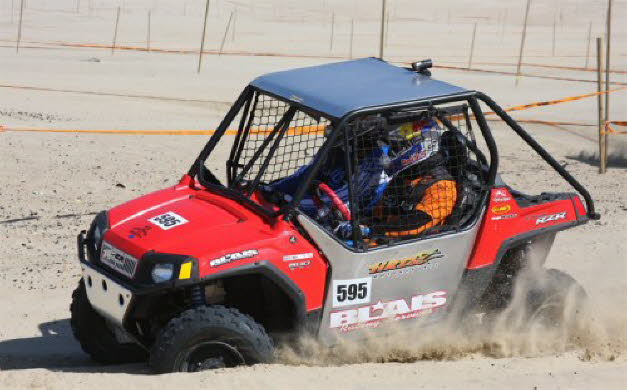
(208, 337)
(551, 298)
(556, 300)
(95, 337)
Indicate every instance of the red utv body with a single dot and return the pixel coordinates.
(208, 274)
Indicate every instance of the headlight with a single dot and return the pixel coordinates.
(99, 227)
(162, 272)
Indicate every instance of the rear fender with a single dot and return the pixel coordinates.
(507, 224)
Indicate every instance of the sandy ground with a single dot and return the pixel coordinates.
(58, 181)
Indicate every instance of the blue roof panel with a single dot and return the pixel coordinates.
(341, 87)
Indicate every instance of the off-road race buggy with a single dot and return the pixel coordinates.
(318, 224)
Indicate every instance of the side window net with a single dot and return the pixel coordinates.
(415, 173)
(275, 141)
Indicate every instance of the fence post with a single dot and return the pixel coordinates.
(350, 50)
(115, 31)
(332, 32)
(382, 34)
(600, 96)
(522, 42)
(148, 33)
(553, 44)
(19, 28)
(226, 32)
(202, 39)
(472, 45)
(588, 47)
(607, 68)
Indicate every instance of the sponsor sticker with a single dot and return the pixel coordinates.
(351, 291)
(300, 256)
(372, 316)
(502, 199)
(139, 231)
(299, 264)
(550, 217)
(500, 193)
(391, 265)
(502, 217)
(501, 209)
(168, 220)
(232, 257)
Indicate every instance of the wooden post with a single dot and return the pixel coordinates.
(381, 38)
(19, 28)
(522, 42)
(226, 31)
(148, 33)
(350, 50)
(608, 42)
(202, 39)
(387, 26)
(115, 31)
(472, 45)
(600, 99)
(332, 32)
(234, 26)
(588, 47)
(553, 45)
(505, 15)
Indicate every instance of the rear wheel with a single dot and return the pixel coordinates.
(548, 297)
(96, 337)
(209, 337)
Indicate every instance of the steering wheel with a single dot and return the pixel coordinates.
(342, 212)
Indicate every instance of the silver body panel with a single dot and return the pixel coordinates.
(111, 302)
(404, 296)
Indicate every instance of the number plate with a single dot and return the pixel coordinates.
(168, 220)
(351, 292)
(118, 260)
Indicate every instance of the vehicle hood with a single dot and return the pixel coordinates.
(186, 221)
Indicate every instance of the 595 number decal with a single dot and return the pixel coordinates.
(351, 291)
(168, 220)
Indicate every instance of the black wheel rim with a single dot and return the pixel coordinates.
(210, 355)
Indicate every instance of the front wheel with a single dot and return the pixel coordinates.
(209, 337)
(96, 337)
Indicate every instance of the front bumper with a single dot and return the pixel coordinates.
(107, 297)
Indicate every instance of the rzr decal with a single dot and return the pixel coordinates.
(140, 231)
(502, 209)
(551, 217)
(419, 259)
(372, 316)
(351, 291)
(232, 257)
(168, 220)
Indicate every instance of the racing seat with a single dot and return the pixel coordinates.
(466, 172)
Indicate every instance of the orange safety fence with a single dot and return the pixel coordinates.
(320, 128)
(610, 130)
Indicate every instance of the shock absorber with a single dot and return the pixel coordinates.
(198, 296)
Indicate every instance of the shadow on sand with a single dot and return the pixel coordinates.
(55, 350)
(614, 160)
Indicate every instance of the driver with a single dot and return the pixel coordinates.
(421, 193)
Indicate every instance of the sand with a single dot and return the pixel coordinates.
(58, 181)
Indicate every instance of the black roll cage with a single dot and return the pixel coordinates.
(208, 180)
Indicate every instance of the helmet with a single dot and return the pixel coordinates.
(412, 143)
